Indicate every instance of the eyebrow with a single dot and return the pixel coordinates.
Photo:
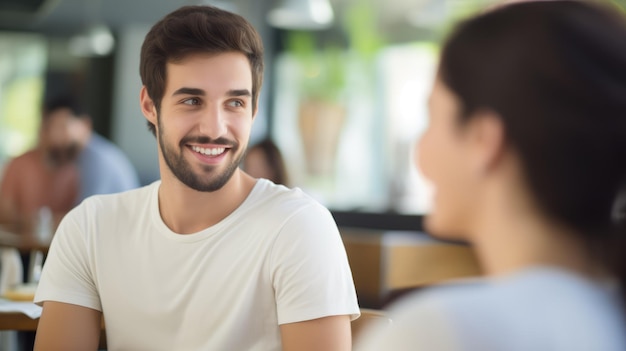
(239, 92)
(200, 92)
(188, 91)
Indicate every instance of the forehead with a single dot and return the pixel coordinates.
(210, 72)
(58, 118)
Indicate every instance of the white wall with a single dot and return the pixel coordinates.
(129, 128)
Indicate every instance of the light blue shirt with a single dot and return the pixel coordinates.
(539, 309)
(105, 169)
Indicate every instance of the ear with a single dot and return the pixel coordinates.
(87, 121)
(486, 137)
(85, 128)
(147, 106)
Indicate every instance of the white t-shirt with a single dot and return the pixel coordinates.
(540, 309)
(276, 259)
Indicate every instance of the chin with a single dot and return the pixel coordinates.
(440, 228)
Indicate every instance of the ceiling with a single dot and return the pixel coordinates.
(58, 17)
(66, 17)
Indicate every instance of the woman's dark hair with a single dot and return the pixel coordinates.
(197, 29)
(555, 72)
(274, 159)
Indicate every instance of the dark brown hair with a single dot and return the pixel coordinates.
(63, 101)
(197, 29)
(554, 71)
(274, 159)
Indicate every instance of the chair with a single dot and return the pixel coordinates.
(384, 262)
(368, 317)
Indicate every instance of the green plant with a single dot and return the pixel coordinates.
(325, 65)
(323, 70)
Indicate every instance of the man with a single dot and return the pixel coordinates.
(207, 258)
(103, 167)
(69, 163)
(42, 177)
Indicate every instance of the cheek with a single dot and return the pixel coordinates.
(173, 124)
(425, 154)
(441, 162)
(240, 127)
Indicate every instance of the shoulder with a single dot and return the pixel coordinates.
(422, 320)
(516, 299)
(16, 169)
(118, 204)
(98, 143)
(102, 155)
(433, 319)
(26, 161)
(530, 310)
(294, 218)
(279, 199)
(101, 151)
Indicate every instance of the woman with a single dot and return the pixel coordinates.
(526, 148)
(264, 160)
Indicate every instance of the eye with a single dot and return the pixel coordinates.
(236, 103)
(191, 101)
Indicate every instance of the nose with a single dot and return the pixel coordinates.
(213, 122)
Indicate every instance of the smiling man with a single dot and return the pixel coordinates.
(207, 258)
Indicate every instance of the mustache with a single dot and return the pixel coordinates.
(206, 140)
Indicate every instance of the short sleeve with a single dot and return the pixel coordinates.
(309, 269)
(67, 275)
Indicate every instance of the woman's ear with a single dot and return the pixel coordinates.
(486, 139)
(147, 106)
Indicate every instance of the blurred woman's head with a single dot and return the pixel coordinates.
(264, 160)
(541, 87)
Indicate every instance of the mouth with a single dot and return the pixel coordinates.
(208, 151)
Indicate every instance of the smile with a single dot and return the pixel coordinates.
(214, 151)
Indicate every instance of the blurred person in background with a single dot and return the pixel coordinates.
(264, 160)
(44, 180)
(46, 176)
(103, 167)
(70, 163)
(526, 147)
(207, 257)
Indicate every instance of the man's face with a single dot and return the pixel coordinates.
(62, 137)
(205, 118)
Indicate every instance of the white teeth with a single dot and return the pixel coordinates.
(209, 152)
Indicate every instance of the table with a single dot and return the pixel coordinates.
(17, 321)
(20, 322)
(26, 243)
(384, 263)
(21, 241)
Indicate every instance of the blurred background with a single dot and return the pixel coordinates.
(344, 99)
(344, 95)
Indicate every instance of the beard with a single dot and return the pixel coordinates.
(59, 156)
(208, 180)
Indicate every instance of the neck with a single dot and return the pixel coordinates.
(512, 235)
(185, 210)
